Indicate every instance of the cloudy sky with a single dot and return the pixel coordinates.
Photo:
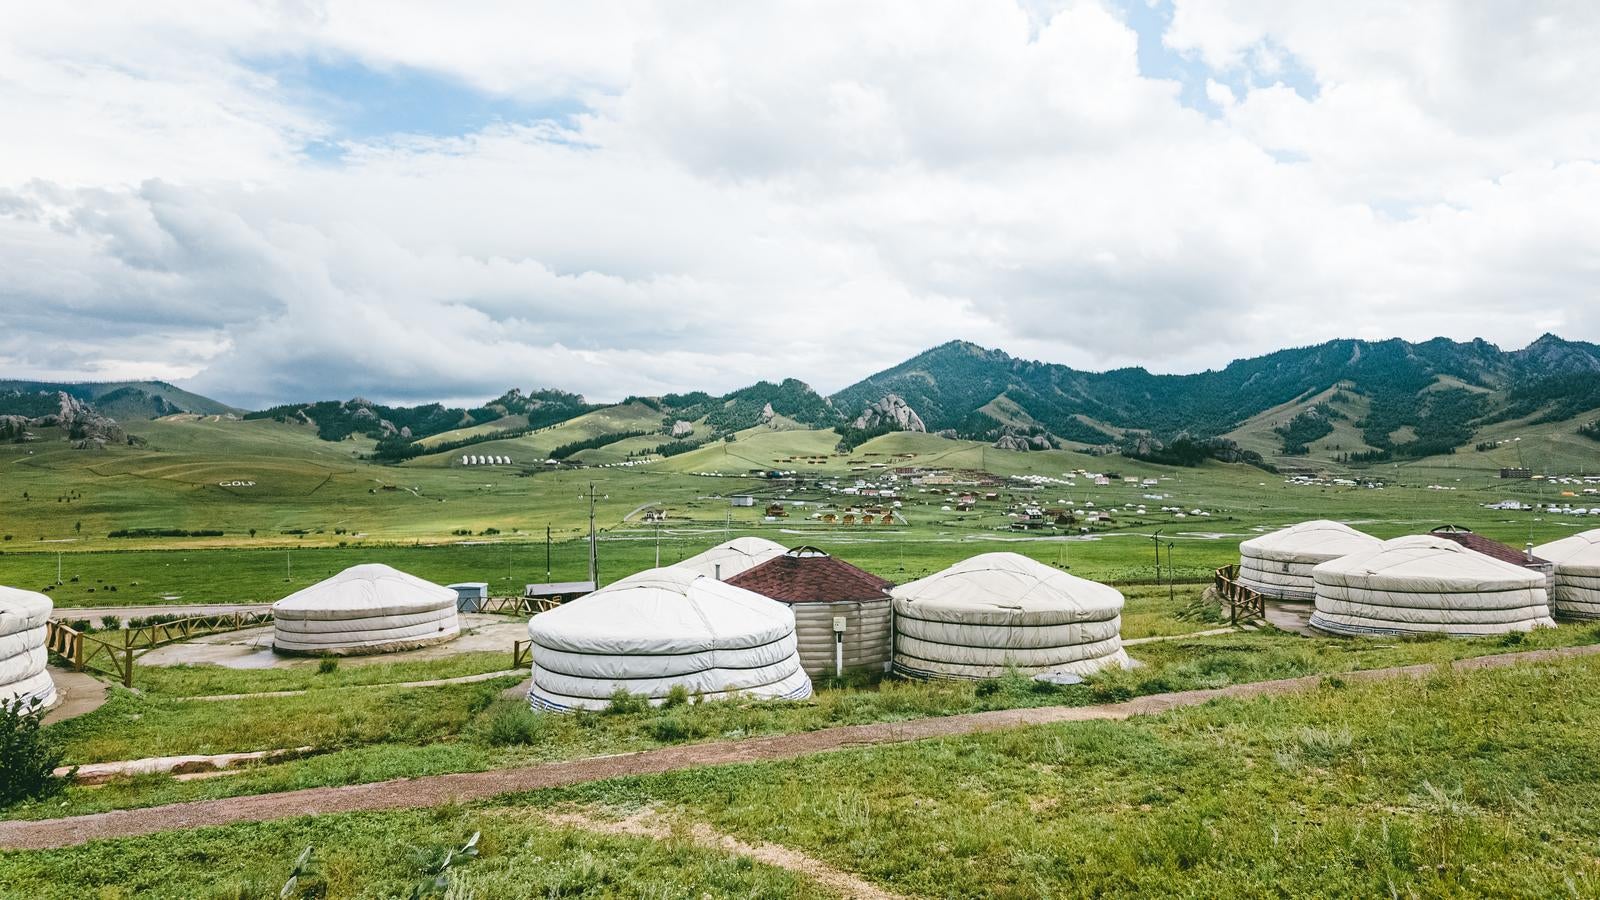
(309, 199)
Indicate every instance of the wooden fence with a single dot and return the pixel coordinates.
(1240, 599)
(522, 654)
(113, 652)
(519, 606)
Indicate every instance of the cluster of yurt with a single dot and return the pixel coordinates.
(663, 629)
(1576, 594)
(1278, 564)
(1002, 611)
(365, 609)
(729, 558)
(23, 656)
(841, 612)
(1427, 584)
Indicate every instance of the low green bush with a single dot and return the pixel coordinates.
(28, 758)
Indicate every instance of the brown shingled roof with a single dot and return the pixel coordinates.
(808, 575)
(1488, 547)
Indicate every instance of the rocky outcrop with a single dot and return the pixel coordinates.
(81, 422)
(767, 414)
(891, 412)
(1016, 439)
(682, 429)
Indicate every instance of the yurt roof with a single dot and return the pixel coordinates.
(21, 610)
(666, 610)
(1580, 550)
(1428, 562)
(1318, 537)
(808, 575)
(1487, 546)
(733, 557)
(373, 587)
(1009, 582)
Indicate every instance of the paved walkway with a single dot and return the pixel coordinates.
(466, 787)
(95, 613)
(80, 693)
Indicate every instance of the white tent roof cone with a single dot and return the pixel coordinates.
(999, 611)
(1419, 584)
(1577, 559)
(368, 608)
(729, 558)
(23, 656)
(660, 628)
(1279, 563)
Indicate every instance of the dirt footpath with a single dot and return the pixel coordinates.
(434, 790)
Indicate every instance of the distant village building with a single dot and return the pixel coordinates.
(743, 500)
(1516, 473)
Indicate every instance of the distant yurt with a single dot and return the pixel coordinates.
(22, 648)
(999, 611)
(1577, 562)
(1426, 584)
(821, 589)
(658, 629)
(729, 558)
(365, 609)
(1279, 563)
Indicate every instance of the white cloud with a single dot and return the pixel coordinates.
(815, 190)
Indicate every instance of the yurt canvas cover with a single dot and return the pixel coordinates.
(729, 558)
(820, 588)
(369, 608)
(998, 611)
(660, 628)
(1422, 583)
(23, 656)
(1577, 562)
(1279, 563)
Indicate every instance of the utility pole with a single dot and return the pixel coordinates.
(547, 554)
(658, 545)
(1156, 539)
(1171, 593)
(58, 567)
(594, 556)
(288, 565)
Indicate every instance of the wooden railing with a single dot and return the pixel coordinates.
(113, 652)
(1240, 599)
(521, 654)
(519, 606)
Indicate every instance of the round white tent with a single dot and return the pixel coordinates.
(23, 656)
(1000, 611)
(1424, 584)
(659, 629)
(365, 609)
(729, 558)
(1279, 563)
(1577, 559)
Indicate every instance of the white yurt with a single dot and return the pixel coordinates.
(1000, 611)
(1279, 563)
(1577, 590)
(824, 591)
(365, 609)
(661, 628)
(1422, 583)
(23, 656)
(729, 558)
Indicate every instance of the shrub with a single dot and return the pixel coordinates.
(110, 623)
(27, 758)
(327, 666)
(514, 724)
(675, 727)
(677, 695)
(623, 703)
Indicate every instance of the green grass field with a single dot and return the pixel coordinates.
(1479, 784)
(294, 509)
